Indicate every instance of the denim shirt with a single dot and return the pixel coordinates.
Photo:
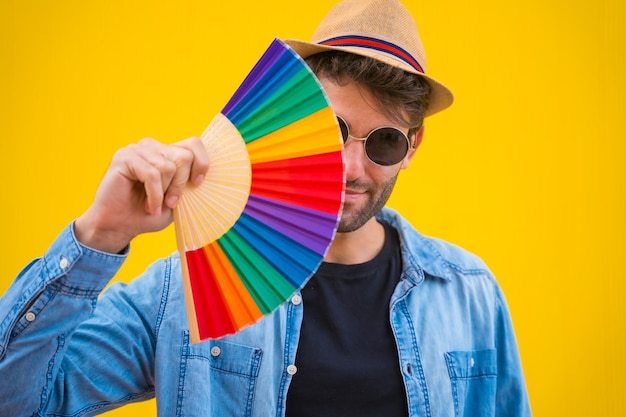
(66, 351)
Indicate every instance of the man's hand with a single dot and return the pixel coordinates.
(139, 190)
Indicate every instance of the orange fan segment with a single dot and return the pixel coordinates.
(240, 304)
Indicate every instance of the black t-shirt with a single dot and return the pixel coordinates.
(347, 358)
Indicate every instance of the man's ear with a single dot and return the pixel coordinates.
(415, 140)
(418, 137)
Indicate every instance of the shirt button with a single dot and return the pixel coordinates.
(296, 300)
(30, 316)
(408, 369)
(291, 369)
(64, 263)
(215, 351)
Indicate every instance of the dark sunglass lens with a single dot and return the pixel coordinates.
(386, 146)
(344, 129)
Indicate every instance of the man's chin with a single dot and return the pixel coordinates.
(349, 224)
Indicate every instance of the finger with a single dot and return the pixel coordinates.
(192, 164)
(172, 165)
(147, 176)
(165, 162)
(183, 159)
(177, 164)
(200, 163)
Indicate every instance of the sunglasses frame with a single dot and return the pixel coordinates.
(409, 147)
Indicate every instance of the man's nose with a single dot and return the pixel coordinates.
(355, 159)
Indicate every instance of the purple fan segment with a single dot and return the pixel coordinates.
(273, 54)
(311, 228)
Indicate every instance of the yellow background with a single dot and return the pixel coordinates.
(527, 169)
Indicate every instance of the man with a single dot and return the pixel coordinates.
(393, 323)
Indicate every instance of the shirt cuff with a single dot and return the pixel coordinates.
(81, 267)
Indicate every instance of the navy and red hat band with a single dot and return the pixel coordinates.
(376, 44)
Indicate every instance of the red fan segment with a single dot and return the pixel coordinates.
(223, 304)
(314, 182)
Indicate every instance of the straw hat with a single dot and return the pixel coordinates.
(380, 29)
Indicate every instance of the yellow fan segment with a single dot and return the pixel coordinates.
(310, 135)
(207, 211)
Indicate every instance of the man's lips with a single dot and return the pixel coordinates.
(352, 194)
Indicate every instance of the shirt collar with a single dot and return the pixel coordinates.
(427, 256)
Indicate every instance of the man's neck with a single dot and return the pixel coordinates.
(358, 246)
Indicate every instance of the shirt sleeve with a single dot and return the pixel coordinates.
(511, 395)
(39, 313)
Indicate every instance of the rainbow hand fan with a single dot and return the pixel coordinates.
(259, 226)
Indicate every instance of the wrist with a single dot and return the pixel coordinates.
(90, 234)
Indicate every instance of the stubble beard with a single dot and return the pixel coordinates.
(354, 220)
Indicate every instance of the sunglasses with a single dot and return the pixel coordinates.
(383, 146)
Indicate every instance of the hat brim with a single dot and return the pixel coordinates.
(440, 98)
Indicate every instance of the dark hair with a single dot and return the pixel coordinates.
(403, 96)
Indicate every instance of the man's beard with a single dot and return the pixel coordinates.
(358, 219)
